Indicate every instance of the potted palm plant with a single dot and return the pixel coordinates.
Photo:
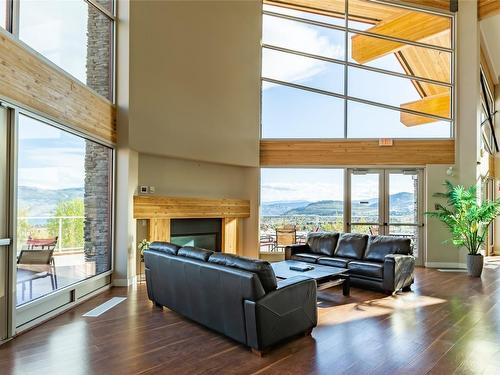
(467, 220)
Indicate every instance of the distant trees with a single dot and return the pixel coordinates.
(71, 227)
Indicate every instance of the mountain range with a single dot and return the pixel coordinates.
(400, 202)
(43, 202)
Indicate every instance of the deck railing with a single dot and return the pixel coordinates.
(41, 230)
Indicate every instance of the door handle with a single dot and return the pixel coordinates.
(4, 241)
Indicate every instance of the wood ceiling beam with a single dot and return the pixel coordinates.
(488, 8)
(411, 26)
(355, 152)
(438, 105)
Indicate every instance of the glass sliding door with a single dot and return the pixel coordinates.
(366, 203)
(403, 206)
(5, 242)
(386, 202)
(64, 196)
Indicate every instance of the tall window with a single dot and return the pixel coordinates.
(64, 209)
(358, 69)
(299, 201)
(76, 35)
(3, 13)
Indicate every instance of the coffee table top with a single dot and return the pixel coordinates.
(282, 270)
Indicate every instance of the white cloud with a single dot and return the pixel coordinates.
(300, 37)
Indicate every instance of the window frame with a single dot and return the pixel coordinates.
(13, 14)
(346, 64)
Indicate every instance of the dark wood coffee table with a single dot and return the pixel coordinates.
(325, 276)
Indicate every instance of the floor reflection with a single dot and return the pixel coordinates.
(35, 281)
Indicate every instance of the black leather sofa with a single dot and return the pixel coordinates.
(376, 262)
(238, 297)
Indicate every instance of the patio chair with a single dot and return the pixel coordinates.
(285, 236)
(41, 243)
(33, 265)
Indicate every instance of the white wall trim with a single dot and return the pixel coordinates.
(445, 265)
(125, 282)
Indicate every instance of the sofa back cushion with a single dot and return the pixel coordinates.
(195, 253)
(351, 245)
(380, 246)
(323, 243)
(164, 247)
(260, 267)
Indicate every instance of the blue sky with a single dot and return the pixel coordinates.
(49, 158)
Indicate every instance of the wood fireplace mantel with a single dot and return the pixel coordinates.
(159, 210)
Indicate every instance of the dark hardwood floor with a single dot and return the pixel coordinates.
(449, 324)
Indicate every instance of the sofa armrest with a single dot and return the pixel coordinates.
(282, 313)
(294, 249)
(398, 271)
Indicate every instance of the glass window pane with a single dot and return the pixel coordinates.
(301, 70)
(331, 12)
(294, 113)
(300, 200)
(73, 35)
(414, 61)
(64, 209)
(406, 231)
(367, 121)
(3, 13)
(365, 202)
(399, 92)
(403, 195)
(400, 23)
(302, 37)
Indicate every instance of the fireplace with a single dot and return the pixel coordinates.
(204, 233)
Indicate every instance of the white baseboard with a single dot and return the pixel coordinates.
(125, 282)
(445, 265)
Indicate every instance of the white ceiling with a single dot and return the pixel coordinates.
(490, 30)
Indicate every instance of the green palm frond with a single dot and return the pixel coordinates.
(466, 219)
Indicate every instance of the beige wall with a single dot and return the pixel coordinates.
(176, 177)
(195, 79)
(467, 138)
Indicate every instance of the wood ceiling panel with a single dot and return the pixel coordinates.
(412, 26)
(488, 8)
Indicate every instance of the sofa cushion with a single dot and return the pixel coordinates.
(262, 268)
(164, 247)
(351, 245)
(380, 246)
(306, 257)
(322, 243)
(334, 261)
(364, 268)
(195, 253)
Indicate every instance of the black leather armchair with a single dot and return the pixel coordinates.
(287, 311)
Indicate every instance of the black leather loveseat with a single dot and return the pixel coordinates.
(238, 297)
(376, 262)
